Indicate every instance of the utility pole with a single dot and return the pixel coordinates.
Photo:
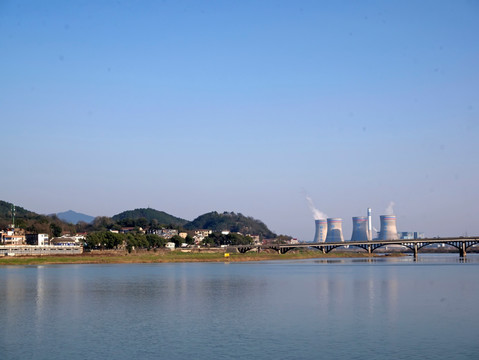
(13, 217)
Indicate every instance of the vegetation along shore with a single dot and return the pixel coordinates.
(117, 257)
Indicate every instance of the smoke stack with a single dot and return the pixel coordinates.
(388, 228)
(360, 228)
(370, 225)
(321, 229)
(335, 230)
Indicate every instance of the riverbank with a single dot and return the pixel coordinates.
(173, 257)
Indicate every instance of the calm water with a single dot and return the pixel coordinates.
(354, 309)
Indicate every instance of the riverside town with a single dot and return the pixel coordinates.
(25, 233)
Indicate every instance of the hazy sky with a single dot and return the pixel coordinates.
(245, 106)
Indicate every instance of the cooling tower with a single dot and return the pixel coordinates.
(388, 228)
(360, 228)
(335, 230)
(321, 229)
(370, 225)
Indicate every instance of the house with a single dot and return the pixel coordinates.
(12, 236)
(126, 230)
(256, 239)
(37, 239)
(170, 245)
(164, 233)
(200, 235)
(64, 241)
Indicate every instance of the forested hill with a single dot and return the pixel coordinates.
(31, 221)
(230, 221)
(149, 214)
(51, 224)
(20, 213)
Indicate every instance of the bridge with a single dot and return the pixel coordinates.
(460, 243)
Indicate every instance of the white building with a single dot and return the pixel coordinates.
(37, 239)
(170, 245)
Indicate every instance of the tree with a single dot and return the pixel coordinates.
(142, 222)
(189, 240)
(178, 240)
(154, 224)
(56, 230)
(218, 239)
(32, 229)
(155, 241)
(103, 223)
(208, 241)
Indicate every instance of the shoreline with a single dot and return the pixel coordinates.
(151, 257)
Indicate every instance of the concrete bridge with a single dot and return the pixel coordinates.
(460, 243)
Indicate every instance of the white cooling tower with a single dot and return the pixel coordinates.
(388, 228)
(321, 230)
(370, 225)
(335, 230)
(360, 228)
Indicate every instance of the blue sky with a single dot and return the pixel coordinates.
(245, 106)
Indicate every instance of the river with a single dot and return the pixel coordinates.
(307, 309)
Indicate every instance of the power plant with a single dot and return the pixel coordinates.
(335, 230)
(360, 228)
(321, 230)
(331, 230)
(388, 229)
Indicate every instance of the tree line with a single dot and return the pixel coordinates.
(137, 240)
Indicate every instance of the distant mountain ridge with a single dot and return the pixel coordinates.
(74, 217)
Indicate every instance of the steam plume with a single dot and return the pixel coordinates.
(389, 209)
(317, 215)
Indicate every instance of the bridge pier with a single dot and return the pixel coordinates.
(462, 250)
(415, 251)
(369, 249)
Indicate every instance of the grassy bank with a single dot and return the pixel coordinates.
(168, 257)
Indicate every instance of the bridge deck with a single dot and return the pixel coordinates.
(461, 243)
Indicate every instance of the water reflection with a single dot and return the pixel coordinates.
(200, 310)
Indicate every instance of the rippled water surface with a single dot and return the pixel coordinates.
(339, 308)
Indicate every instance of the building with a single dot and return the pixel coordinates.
(410, 235)
(406, 235)
(126, 230)
(37, 239)
(12, 236)
(200, 235)
(170, 245)
(164, 233)
(256, 239)
(64, 241)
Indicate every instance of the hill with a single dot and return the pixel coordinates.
(230, 221)
(149, 215)
(21, 213)
(74, 217)
(31, 221)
